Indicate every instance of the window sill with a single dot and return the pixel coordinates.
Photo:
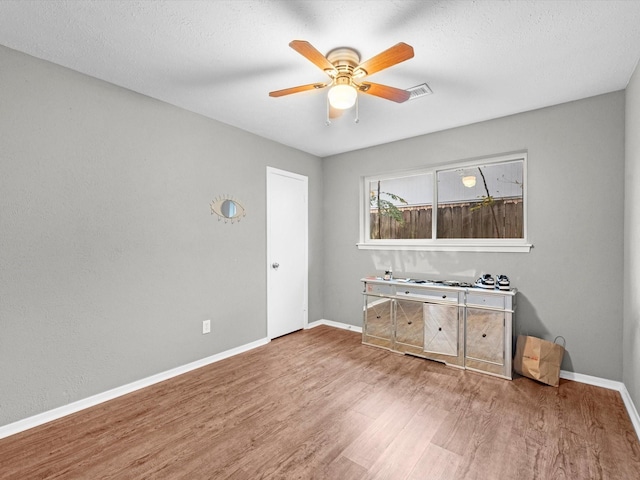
(449, 247)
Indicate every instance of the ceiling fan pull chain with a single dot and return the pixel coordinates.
(357, 112)
(328, 121)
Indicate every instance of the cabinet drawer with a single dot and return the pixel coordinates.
(378, 289)
(486, 300)
(425, 295)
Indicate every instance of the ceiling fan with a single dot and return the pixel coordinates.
(347, 75)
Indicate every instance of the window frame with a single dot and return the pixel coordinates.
(521, 245)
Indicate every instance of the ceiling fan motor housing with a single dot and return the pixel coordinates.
(345, 60)
(344, 57)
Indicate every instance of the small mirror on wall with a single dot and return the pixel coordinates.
(227, 209)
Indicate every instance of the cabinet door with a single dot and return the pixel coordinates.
(441, 329)
(409, 327)
(378, 321)
(485, 339)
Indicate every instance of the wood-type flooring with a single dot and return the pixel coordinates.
(317, 404)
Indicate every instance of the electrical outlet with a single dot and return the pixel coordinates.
(206, 326)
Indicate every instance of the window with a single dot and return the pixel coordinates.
(477, 206)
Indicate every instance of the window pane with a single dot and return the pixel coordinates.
(483, 201)
(400, 208)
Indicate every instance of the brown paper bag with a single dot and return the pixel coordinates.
(539, 359)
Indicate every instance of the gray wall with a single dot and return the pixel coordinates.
(109, 256)
(631, 346)
(570, 282)
(110, 259)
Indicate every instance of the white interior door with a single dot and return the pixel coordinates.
(287, 252)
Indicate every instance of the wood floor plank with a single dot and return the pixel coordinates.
(318, 404)
(435, 463)
(402, 454)
(371, 444)
(344, 469)
(326, 428)
(458, 428)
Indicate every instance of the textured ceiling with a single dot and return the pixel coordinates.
(482, 59)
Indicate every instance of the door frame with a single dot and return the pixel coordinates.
(305, 221)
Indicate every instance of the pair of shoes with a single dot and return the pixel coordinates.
(503, 282)
(487, 281)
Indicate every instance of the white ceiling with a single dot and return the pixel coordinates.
(220, 58)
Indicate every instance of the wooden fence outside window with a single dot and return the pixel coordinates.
(455, 220)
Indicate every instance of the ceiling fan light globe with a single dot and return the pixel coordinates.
(342, 96)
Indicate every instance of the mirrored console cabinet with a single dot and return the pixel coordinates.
(464, 327)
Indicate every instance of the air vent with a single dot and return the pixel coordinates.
(419, 91)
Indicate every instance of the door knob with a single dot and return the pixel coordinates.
(275, 265)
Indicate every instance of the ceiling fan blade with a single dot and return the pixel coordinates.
(298, 89)
(396, 54)
(384, 91)
(308, 51)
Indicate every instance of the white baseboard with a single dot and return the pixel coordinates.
(56, 413)
(589, 380)
(331, 323)
(631, 409)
